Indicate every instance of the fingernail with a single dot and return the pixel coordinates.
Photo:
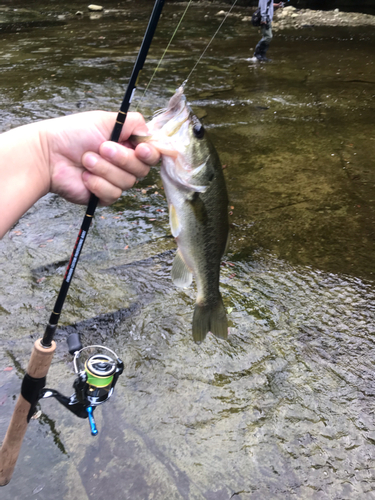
(109, 149)
(90, 161)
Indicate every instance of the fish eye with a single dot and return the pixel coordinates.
(198, 131)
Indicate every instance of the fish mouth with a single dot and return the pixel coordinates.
(171, 119)
(166, 124)
(169, 134)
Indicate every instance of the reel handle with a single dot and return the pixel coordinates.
(90, 413)
(74, 343)
(36, 372)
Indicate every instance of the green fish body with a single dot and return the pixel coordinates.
(197, 197)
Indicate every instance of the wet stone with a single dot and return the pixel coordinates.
(95, 8)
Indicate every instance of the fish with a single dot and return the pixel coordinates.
(197, 197)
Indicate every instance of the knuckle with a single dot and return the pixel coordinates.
(143, 171)
(128, 181)
(122, 159)
(138, 117)
(113, 196)
(101, 168)
(155, 157)
(94, 184)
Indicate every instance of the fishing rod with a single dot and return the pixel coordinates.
(97, 376)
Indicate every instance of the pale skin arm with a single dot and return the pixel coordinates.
(70, 156)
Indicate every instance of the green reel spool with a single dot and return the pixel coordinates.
(97, 376)
(100, 370)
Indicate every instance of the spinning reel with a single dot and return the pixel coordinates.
(95, 382)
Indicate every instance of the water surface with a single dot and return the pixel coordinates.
(284, 409)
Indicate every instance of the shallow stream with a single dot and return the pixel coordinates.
(285, 408)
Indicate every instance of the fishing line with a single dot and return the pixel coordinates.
(209, 43)
(165, 51)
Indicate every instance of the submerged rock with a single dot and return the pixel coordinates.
(95, 15)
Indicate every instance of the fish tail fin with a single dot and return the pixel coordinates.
(212, 318)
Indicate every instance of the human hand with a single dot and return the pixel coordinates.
(83, 161)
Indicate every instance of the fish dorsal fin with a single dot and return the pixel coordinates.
(173, 221)
(181, 274)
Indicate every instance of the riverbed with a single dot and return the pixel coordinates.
(284, 408)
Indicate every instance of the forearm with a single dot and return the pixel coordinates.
(24, 172)
(263, 5)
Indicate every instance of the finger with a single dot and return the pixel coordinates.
(124, 158)
(147, 153)
(104, 190)
(123, 179)
(134, 124)
(105, 121)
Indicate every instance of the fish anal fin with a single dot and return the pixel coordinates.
(212, 319)
(173, 221)
(181, 274)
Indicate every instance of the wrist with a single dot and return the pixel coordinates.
(40, 145)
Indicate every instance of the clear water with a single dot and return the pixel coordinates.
(284, 409)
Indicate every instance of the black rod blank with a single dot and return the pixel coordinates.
(93, 202)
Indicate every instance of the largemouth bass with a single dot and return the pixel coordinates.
(195, 188)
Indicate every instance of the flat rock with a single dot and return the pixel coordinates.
(95, 8)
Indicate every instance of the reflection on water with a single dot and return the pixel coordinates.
(284, 409)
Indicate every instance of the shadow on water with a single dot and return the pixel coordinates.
(284, 409)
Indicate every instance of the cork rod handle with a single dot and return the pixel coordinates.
(38, 367)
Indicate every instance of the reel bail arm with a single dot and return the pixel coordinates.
(94, 384)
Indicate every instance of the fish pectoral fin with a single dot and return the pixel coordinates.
(193, 196)
(181, 274)
(174, 221)
(210, 319)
